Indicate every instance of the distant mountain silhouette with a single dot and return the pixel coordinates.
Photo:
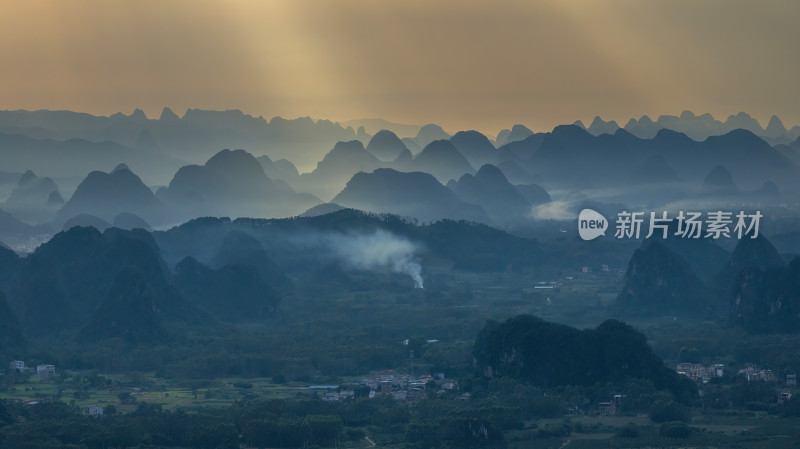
(194, 137)
(534, 193)
(106, 195)
(338, 166)
(239, 248)
(521, 151)
(414, 194)
(515, 173)
(32, 199)
(653, 170)
(375, 125)
(126, 220)
(660, 282)
(75, 157)
(516, 133)
(322, 209)
(599, 126)
(442, 160)
(570, 157)
(10, 226)
(719, 182)
(775, 128)
(700, 127)
(386, 146)
(86, 220)
(232, 183)
(231, 293)
(490, 189)
(280, 169)
(430, 133)
(769, 192)
(475, 147)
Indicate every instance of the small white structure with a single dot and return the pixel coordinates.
(46, 371)
(17, 365)
(94, 410)
(791, 380)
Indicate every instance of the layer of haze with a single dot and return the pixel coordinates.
(462, 64)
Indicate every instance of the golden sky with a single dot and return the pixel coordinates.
(463, 64)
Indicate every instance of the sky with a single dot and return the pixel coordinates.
(462, 64)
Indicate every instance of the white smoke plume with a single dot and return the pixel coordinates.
(378, 250)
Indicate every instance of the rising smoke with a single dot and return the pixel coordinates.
(378, 250)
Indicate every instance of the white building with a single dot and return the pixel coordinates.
(94, 410)
(46, 371)
(17, 365)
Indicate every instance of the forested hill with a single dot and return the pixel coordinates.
(547, 354)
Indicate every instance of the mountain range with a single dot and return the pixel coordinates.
(699, 127)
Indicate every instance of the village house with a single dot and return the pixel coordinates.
(699, 372)
(17, 365)
(753, 372)
(46, 371)
(94, 410)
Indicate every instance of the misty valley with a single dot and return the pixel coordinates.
(218, 280)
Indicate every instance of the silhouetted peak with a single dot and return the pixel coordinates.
(519, 128)
(127, 220)
(429, 133)
(440, 148)
(86, 221)
(744, 121)
(579, 124)
(26, 178)
(384, 137)
(168, 115)
(719, 177)
(687, 115)
(55, 198)
(351, 147)
(238, 162)
(120, 167)
(470, 136)
(519, 132)
(569, 131)
(755, 252)
(490, 174)
(775, 127)
(599, 126)
(668, 135)
(138, 115)
(624, 134)
(385, 145)
(769, 188)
